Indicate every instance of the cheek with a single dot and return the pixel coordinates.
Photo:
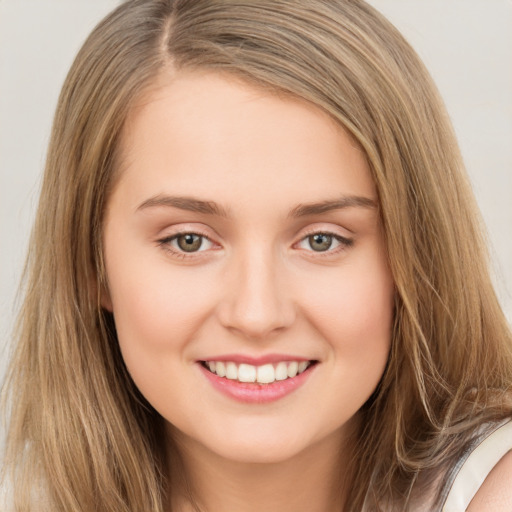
(156, 303)
(157, 313)
(156, 322)
(355, 317)
(355, 309)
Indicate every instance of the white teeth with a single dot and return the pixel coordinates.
(281, 371)
(293, 368)
(265, 374)
(302, 366)
(247, 373)
(220, 369)
(231, 371)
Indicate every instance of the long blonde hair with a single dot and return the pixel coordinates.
(81, 437)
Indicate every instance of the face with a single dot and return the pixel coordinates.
(246, 268)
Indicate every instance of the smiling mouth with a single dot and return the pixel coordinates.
(264, 374)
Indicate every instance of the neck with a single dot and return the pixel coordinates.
(314, 480)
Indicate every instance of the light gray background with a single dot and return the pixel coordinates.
(467, 45)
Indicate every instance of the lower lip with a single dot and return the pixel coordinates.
(253, 393)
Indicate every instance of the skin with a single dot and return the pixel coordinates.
(495, 494)
(255, 287)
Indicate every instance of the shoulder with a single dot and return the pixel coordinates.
(481, 480)
(495, 494)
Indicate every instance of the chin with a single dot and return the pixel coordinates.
(259, 451)
(248, 444)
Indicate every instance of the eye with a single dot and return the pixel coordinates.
(187, 243)
(324, 242)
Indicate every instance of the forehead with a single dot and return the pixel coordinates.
(201, 133)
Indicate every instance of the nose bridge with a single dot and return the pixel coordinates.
(258, 303)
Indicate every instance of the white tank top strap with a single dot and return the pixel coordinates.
(475, 467)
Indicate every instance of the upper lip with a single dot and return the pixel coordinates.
(257, 361)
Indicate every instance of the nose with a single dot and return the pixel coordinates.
(257, 303)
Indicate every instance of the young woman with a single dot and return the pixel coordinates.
(256, 279)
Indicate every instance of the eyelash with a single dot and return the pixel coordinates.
(165, 243)
(344, 243)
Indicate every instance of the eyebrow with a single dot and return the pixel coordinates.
(190, 204)
(193, 204)
(341, 203)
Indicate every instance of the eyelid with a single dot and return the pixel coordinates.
(204, 241)
(344, 242)
(166, 240)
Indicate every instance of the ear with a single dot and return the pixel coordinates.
(100, 285)
(99, 289)
(105, 298)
